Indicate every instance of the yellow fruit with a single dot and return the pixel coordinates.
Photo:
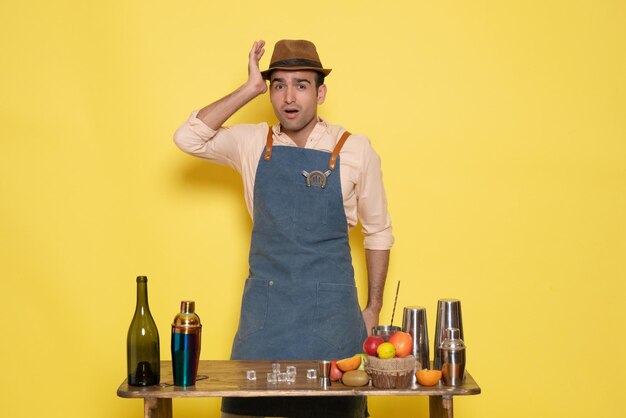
(386, 350)
(350, 363)
(427, 377)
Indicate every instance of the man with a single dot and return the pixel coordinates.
(306, 182)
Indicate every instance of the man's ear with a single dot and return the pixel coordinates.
(321, 94)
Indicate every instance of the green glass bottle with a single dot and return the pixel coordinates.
(142, 342)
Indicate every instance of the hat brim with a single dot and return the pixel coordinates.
(266, 73)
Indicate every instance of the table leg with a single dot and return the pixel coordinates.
(441, 407)
(157, 408)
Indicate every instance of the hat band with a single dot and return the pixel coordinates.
(296, 62)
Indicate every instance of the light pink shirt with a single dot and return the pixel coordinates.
(240, 147)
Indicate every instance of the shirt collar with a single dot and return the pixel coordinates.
(321, 128)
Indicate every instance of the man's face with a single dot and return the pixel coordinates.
(295, 99)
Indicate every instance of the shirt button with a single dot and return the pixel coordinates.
(271, 283)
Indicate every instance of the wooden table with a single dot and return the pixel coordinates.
(228, 378)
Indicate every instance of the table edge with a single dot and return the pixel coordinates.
(155, 392)
(168, 391)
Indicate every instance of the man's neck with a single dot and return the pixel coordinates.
(301, 137)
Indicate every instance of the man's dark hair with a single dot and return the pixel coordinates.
(319, 79)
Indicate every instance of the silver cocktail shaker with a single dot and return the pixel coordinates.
(186, 338)
(453, 358)
(414, 323)
(448, 316)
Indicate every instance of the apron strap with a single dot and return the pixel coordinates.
(335, 154)
(333, 157)
(268, 144)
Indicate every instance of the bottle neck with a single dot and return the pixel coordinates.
(142, 297)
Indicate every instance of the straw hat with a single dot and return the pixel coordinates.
(292, 55)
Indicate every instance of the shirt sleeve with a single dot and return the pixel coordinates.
(372, 203)
(222, 146)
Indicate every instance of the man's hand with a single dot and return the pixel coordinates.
(370, 316)
(255, 79)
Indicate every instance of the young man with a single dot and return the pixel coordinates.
(306, 182)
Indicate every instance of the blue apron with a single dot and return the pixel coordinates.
(300, 300)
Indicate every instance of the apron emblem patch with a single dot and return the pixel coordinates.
(316, 178)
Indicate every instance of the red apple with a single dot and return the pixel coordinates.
(403, 343)
(371, 344)
(335, 373)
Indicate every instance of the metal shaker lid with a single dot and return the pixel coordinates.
(187, 317)
(188, 306)
(452, 340)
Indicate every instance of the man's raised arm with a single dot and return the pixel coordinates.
(215, 114)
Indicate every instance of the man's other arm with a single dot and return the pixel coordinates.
(377, 231)
(377, 262)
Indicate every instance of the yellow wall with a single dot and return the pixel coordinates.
(502, 132)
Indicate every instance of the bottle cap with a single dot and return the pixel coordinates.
(188, 306)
